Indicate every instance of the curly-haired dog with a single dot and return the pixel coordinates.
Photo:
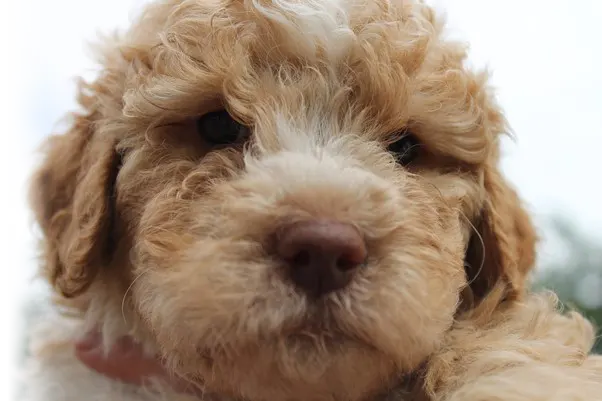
(295, 200)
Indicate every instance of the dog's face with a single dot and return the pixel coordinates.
(292, 198)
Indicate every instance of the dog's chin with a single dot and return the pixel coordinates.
(306, 360)
(304, 365)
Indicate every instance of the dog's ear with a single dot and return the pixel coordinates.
(501, 251)
(72, 198)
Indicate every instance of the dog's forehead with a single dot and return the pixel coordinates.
(323, 30)
(298, 50)
(313, 30)
(308, 27)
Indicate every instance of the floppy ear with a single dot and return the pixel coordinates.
(71, 195)
(501, 253)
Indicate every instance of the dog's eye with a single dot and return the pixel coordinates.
(405, 148)
(219, 128)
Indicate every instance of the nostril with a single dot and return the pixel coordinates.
(301, 259)
(345, 264)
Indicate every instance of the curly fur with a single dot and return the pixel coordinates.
(149, 232)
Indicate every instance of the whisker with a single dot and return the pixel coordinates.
(418, 145)
(128, 290)
(473, 228)
(483, 248)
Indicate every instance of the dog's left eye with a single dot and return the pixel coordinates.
(406, 148)
(219, 128)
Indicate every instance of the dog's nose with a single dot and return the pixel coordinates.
(321, 255)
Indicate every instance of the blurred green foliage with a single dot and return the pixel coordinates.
(576, 276)
(580, 271)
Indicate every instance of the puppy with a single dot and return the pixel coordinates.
(285, 200)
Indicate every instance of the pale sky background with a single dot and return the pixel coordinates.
(545, 56)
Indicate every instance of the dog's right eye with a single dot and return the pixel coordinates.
(219, 128)
(406, 148)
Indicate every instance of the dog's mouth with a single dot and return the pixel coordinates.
(321, 331)
(310, 340)
(302, 341)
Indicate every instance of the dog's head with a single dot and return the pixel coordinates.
(290, 198)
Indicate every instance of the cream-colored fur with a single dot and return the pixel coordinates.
(152, 232)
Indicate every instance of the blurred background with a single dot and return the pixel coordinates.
(546, 61)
